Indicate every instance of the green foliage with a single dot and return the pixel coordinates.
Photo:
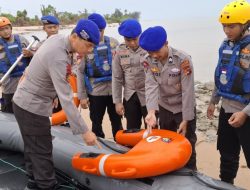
(21, 18)
(49, 10)
(118, 16)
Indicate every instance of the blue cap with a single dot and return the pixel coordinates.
(49, 19)
(153, 38)
(130, 28)
(88, 30)
(98, 19)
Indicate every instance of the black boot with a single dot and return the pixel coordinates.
(31, 185)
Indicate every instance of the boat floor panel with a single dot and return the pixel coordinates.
(12, 173)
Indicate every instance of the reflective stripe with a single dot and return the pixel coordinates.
(13, 46)
(74, 95)
(102, 47)
(101, 164)
(227, 51)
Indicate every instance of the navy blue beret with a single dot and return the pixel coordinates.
(130, 28)
(88, 30)
(49, 19)
(153, 38)
(98, 19)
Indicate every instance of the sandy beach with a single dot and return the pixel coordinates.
(207, 155)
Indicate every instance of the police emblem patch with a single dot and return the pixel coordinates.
(223, 78)
(155, 70)
(84, 35)
(245, 51)
(106, 66)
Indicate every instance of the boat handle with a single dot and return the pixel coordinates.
(127, 173)
(89, 170)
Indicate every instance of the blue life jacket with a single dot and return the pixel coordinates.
(231, 80)
(13, 51)
(100, 67)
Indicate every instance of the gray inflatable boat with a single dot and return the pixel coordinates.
(65, 145)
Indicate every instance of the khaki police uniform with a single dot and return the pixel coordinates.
(46, 76)
(128, 72)
(9, 86)
(100, 97)
(230, 139)
(170, 89)
(59, 106)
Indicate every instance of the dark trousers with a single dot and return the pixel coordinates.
(134, 112)
(98, 105)
(6, 103)
(229, 142)
(35, 131)
(171, 121)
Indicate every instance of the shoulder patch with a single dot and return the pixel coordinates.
(186, 67)
(145, 64)
(245, 57)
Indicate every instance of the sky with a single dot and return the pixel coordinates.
(150, 10)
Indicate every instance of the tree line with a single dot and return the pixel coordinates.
(21, 18)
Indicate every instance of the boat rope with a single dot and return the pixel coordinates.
(18, 168)
(110, 147)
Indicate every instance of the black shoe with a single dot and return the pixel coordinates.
(57, 186)
(66, 124)
(31, 185)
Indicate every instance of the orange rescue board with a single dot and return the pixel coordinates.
(160, 152)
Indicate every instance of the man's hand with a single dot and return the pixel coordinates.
(210, 111)
(90, 139)
(183, 128)
(84, 103)
(119, 109)
(55, 102)
(27, 53)
(150, 119)
(237, 119)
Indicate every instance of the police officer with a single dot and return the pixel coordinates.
(50, 26)
(46, 77)
(128, 72)
(233, 87)
(94, 81)
(11, 47)
(169, 87)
